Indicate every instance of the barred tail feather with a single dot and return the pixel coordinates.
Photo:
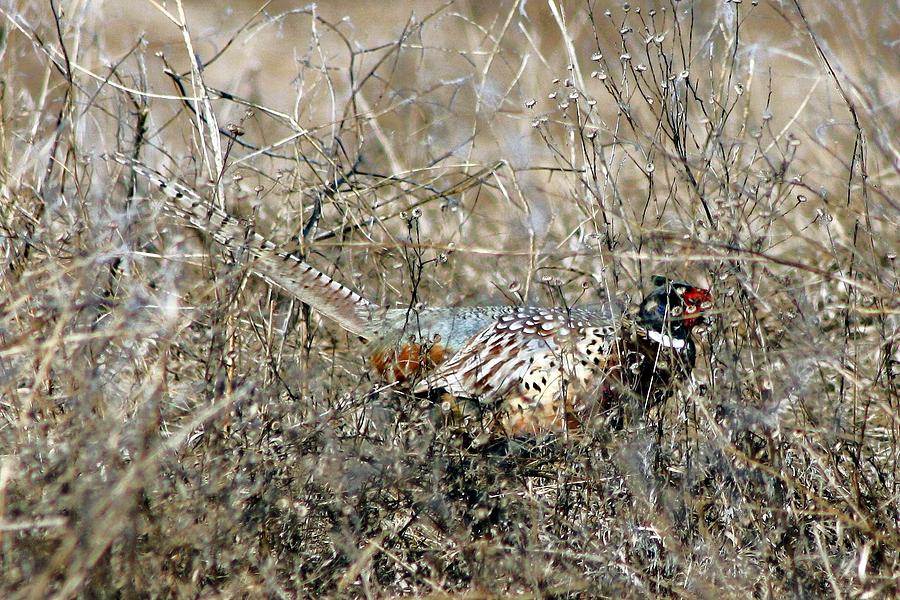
(303, 281)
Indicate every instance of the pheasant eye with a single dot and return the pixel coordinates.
(661, 310)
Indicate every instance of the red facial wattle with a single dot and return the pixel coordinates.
(696, 301)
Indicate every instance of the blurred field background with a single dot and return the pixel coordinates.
(171, 426)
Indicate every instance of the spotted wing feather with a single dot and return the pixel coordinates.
(539, 361)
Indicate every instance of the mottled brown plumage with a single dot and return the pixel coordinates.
(540, 369)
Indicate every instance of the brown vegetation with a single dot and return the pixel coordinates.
(172, 426)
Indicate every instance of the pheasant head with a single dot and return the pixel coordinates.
(671, 310)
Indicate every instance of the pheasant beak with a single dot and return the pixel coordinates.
(696, 302)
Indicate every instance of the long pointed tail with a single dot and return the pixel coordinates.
(306, 283)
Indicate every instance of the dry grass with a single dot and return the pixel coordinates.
(170, 426)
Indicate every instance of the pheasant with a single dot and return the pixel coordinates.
(545, 368)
